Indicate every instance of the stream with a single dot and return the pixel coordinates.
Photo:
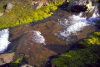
(70, 27)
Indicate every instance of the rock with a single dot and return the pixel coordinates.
(9, 6)
(84, 3)
(86, 31)
(26, 65)
(1, 14)
(6, 58)
(34, 52)
(37, 53)
(38, 4)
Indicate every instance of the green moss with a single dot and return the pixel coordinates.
(25, 15)
(17, 62)
(88, 57)
(93, 39)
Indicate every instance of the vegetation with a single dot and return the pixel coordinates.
(17, 62)
(94, 39)
(87, 57)
(23, 14)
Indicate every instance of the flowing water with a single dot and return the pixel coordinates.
(70, 28)
(4, 35)
(76, 24)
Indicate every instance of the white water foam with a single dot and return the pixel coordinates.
(75, 26)
(77, 23)
(4, 35)
(38, 38)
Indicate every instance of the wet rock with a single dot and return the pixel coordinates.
(48, 30)
(85, 32)
(34, 52)
(6, 58)
(37, 53)
(82, 5)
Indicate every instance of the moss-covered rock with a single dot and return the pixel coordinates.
(89, 57)
(93, 39)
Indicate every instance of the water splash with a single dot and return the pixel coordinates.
(4, 35)
(38, 38)
(77, 23)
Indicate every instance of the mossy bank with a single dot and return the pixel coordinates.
(23, 13)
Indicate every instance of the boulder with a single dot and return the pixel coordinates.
(9, 6)
(6, 58)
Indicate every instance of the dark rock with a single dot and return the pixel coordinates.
(80, 5)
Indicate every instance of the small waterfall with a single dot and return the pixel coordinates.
(4, 35)
(76, 24)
